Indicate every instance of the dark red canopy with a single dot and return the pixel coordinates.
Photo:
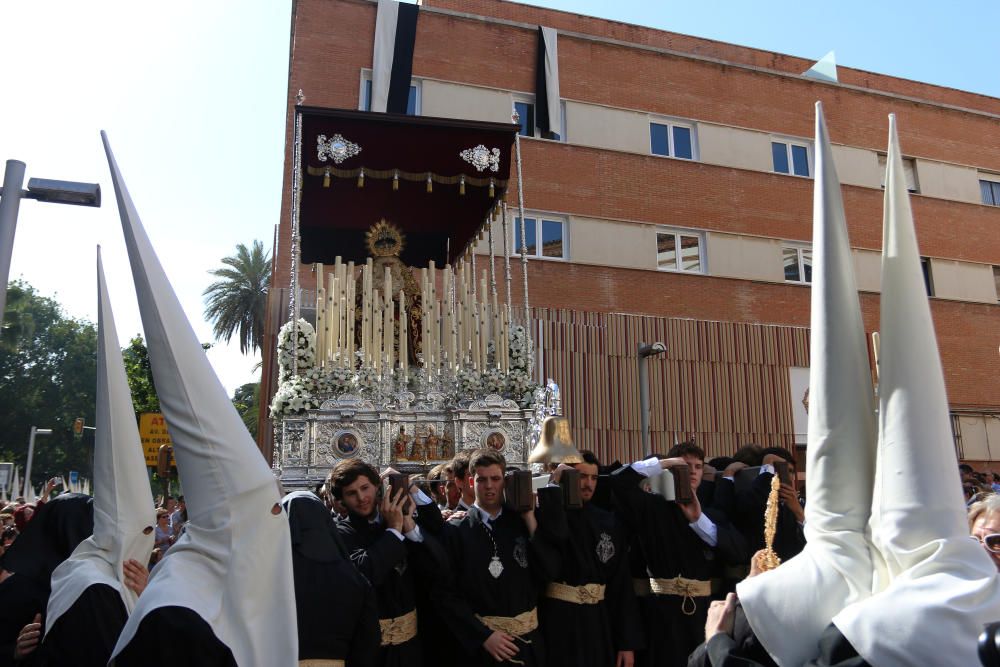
(333, 219)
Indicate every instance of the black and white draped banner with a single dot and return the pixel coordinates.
(547, 112)
(392, 63)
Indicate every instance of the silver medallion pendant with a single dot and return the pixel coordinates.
(496, 567)
(605, 548)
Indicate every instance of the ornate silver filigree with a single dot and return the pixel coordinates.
(482, 157)
(337, 148)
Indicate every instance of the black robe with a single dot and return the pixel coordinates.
(86, 633)
(172, 636)
(391, 565)
(53, 532)
(528, 563)
(334, 603)
(742, 649)
(592, 550)
(789, 539)
(671, 548)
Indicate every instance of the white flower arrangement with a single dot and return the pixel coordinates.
(469, 382)
(522, 349)
(366, 381)
(336, 381)
(304, 348)
(494, 381)
(519, 386)
(292, 398)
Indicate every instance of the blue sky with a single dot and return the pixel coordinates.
(192, 94)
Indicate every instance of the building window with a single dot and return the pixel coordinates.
(996, 280)
(798, 262)
(925, 265)
(990, 191)
(541, 231)
(909, 169)
(680, 251)
(790, 157)
(412, 102)
(672, 140)
(525, 107)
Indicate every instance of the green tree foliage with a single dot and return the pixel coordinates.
(246, 398)
(140, 376)
(236, 304)
(48, 378)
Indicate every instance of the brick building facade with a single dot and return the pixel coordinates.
(662, 212)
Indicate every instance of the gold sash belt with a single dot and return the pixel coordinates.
(321, 662)
(517, 626)
(398, 630)
(689, 589)
(586, 594)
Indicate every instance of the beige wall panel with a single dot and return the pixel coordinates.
(948, 181)
(747, 257)
(963, 280)
(603, 127)
(448, 100)
(734, 147)
(868, 269)
(612, 243)
(974, 441)
(857, 166)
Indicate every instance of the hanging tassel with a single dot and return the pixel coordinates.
(361, 178)
(395, 180)
(461, 184)
(492, 191)
(326, 178)
(430, 183)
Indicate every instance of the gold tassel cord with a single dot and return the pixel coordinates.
(769, 560)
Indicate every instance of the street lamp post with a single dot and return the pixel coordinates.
(40, 189)
(645, 351)
(31, 455)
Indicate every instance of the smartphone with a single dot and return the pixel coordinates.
(518, 490)
(569, 480)
(783, 472)
(397, 481)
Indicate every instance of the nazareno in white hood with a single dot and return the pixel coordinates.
(233, 564)
(123, 504)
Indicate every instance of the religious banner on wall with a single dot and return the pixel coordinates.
(153, 433)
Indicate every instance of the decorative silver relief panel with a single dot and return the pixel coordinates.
(482, 158)
(337, 148)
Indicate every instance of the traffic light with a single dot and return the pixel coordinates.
(78, 428)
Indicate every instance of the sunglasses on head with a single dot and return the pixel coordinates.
(991, 542)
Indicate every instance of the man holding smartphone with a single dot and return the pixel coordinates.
(385, 542)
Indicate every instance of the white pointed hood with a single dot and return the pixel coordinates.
(232, 565)
(835, 568)
(123, 504)
(942, 586)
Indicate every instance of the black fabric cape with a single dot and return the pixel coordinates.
(592, 550)
(335, 604)
(55, 530)
(86, 633)
(528, 563)
(789, 538)
(671, 548)
(391, 564)
(742, 649)
(171, 636)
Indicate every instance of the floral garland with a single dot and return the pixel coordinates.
(304, 348)
(293, 397)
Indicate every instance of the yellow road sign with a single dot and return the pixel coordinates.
(153, 433)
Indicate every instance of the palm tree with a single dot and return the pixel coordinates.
(236, 303)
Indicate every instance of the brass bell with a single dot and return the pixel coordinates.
(556, 444)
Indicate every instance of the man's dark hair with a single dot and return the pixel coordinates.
(720, 462)
(346, 472)
(964, 468)
(685, 449)
(460, 464)
(482, 458)
(750, 454)
(590, 458)
(436, 473)
(778, 451)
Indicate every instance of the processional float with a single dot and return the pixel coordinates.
(406, 351)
